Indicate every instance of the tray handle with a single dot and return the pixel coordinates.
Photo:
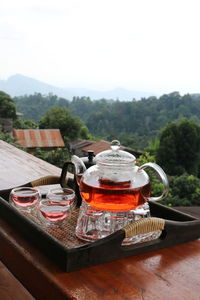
(65, 180)
(46, 180)
(143, 226)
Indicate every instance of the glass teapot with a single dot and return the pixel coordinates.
(115, 183)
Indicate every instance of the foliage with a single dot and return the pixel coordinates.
(7, 106)
(34, 106)
(60, 118)
(134, 122)
(56, 157)
(144, 158)
(179, 148)
(153, 146)
(20, 123)
(184, 191)
(85, 134)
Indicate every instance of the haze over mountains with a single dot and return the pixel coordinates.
(19, 85)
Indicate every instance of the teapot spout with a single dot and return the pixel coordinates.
(80, 167)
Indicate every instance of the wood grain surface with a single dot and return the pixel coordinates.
(18, 167)
(170, 273)
(10, 287)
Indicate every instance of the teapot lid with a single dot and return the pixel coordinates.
(115, 156)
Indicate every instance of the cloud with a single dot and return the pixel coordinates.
(43, 11)
(93, 43)
(8, 32)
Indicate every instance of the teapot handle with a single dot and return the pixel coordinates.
(162, 176)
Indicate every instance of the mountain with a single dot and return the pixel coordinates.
(20, 85)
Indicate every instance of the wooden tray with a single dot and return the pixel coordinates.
(62, 246)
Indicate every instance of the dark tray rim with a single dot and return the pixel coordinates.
(179, 228)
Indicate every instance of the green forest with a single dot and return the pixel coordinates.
(165, 129)
(134, 123)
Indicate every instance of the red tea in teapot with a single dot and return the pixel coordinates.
(114, 196)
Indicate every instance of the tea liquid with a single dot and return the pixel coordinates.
(112, 196)
(53, 213)
(24, 200)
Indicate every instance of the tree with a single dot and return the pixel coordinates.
(179, 148)
(189, 146)
(85, 134)
(184, 191)
(24, 124)
(34, 106)
(56, 157)
(7, 106)
(60, 118)
(140, 120)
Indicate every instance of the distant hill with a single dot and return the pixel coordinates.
(19, 85)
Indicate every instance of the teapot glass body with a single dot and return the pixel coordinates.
(115, 183)
(115, 188)
(115, 192)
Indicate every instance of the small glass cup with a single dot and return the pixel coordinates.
(89, 223)
(57, 206)
(24, 198)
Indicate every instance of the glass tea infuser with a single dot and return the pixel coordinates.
(114, 191)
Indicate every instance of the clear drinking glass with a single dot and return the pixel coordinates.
(89, 225)
(25, 198)
(57, 206)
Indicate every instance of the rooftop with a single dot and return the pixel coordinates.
(98, 147)
(42, 138)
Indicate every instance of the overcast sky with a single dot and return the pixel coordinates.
(146, 45)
